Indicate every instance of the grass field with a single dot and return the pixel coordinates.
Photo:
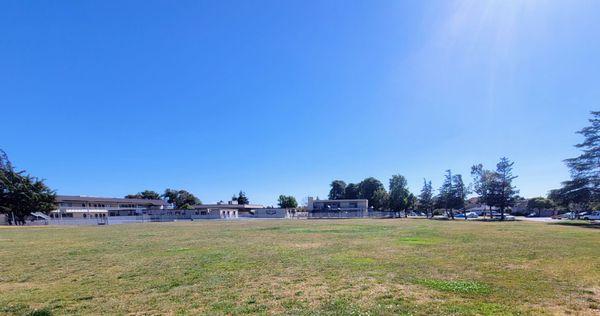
(337, 267)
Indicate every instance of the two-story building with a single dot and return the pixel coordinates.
(95, 207)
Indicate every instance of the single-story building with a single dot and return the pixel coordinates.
(272, 213)
(228, 210)
(346, 205)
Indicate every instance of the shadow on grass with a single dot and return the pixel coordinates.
(593, 225)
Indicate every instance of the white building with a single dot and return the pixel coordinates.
(228, 210)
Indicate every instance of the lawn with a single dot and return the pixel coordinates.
(334, 267)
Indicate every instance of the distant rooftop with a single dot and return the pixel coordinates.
(83, 198)
(341, 200)
(229, 206)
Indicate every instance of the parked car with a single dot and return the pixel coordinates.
(472, 215)
(569, 215)
(595, 215)
(534, 214)
(506, 217)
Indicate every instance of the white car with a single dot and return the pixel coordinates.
(472, 215)
(595, 215)
(506, 217)
(569, 215)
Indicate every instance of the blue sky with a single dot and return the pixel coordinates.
(280, 97)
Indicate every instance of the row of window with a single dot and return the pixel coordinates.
(100, 205)
(336, 205)
(95, 215)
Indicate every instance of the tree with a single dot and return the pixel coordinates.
(558, 198)
(399, 194)
(459, 193)
(539, 203)
(446, 195)
(426, 198)
(242, 199)
(21, 194)
(181, 199)
(380, 200)
(412, 202)
(367, 189)
(287, 201)
(583, 189)
(170, 195)
(338, 190)
(483, 185)
(146, 195)
(504, 191)
(352, 191)
(574, 194)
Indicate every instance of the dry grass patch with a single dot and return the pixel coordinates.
(377, 267)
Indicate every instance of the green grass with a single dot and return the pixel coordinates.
(467, 287)
(337, 267)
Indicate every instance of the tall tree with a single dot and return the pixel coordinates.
(574, 194)
(352, 191)
(399, 193)
(181, 199)
(21, 194)
(558, 198)
(338, 190)
(483, 185)
(412, 202)
(446, 195)
(367, 189)
(584, 186)
(504, 191)
(287, 201)
(426, 198)
(242, 198)
(460, 192)
(146, 195)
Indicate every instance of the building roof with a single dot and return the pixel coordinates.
(228, 206)
(343, 200)
(93, 210)
(79, 198)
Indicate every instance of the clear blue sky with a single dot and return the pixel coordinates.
(276, 97)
